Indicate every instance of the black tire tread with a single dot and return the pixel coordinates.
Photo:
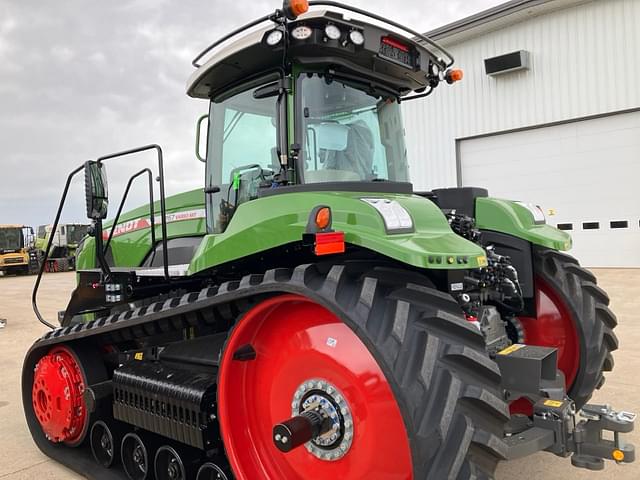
(589, 305)
(447, 388)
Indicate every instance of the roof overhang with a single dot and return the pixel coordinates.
(497, 17)
(249, 57)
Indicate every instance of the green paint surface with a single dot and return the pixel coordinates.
(130, 249)
(281, 219)
(509, 217)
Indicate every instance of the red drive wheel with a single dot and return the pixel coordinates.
(288, 353)
(554, 326)
(57, 396)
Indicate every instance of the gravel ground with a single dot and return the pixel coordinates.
(20, 459)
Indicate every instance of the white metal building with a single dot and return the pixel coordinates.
(563, 133)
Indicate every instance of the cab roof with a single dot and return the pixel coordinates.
(249, 56)
(12, 225)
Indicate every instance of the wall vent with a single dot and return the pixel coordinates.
(509, 62)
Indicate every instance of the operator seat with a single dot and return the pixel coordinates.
(357, 157)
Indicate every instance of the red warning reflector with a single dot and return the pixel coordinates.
(395, 43)
(328, 243)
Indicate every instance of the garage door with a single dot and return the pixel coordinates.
(585, 175)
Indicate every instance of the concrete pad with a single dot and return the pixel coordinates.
(20, 459)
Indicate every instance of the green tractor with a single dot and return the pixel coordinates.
(308, 315)
(65, 241)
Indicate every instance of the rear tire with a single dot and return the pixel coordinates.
(593, 320)
(445, 386)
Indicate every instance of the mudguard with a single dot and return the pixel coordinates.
(513, 218)
(276, 220)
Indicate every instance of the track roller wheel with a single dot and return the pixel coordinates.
(171, 465)
(390, 383)
(136, 457)
(105, 443)
(211, 471)
(57, 397)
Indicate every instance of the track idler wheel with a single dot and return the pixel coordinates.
(212, 471)
(136, 457)
(57, 397)
(105, 443)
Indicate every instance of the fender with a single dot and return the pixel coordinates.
(281, 219)
(512, 218)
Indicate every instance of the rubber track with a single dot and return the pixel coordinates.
(589, 305)
(447, 388)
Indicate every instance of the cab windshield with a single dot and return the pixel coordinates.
(350, 135)
(10, 238)
(75, 233)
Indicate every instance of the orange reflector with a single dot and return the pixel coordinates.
(328, 243)
(323, 218)
(298, 7)
(454, 75)
(618, 455)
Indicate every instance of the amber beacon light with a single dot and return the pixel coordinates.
(294, 8)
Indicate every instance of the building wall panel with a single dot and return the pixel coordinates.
(585, 60)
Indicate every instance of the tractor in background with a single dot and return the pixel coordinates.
(18, 254)
(65, 241)
(308, 314)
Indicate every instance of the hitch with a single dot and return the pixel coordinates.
(531, 372)
(590, 445)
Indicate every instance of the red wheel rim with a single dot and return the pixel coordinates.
(57, 397)
(295, 340)
(554, 327)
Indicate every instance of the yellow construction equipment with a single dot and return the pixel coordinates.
(17, 250)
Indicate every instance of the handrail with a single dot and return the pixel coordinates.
(163, 208)
(34, 294)
(279, 17)
(124, 197)
(271, 16)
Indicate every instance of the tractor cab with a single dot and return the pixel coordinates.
(319, 96)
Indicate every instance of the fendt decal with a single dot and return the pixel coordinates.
(142, 223)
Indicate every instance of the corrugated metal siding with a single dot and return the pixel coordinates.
(585, 60)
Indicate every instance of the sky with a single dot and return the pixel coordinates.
(83, 78)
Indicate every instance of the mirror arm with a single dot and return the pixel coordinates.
(104, 266)
(34, 294)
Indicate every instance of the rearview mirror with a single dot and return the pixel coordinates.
(96, 191)
(330, 136)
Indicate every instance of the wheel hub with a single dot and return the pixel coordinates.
(105, 443)
(57, 396)
(173, 469)
(323, 397)
(139, 458)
